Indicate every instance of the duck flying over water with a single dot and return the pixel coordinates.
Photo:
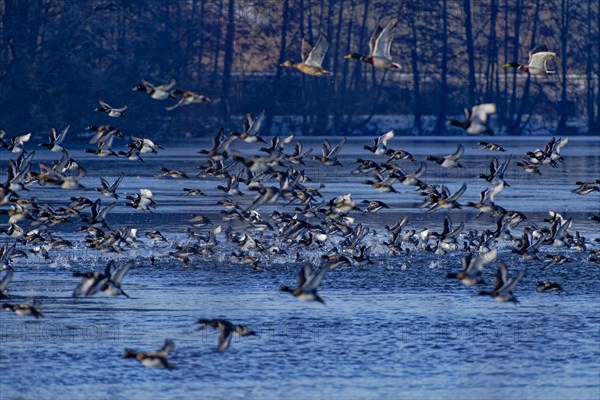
(22, 310)
(587, 187)
(251, 126)
(227, 330)
(473, 268)
(537, 65)
(153, 358)
(489, 146)
(504, 286)
(450, 160)
(476, 119)
(312, 58)
(379, 144)
(379, 48)
(110, 190)
(55, 140)
(330, 154)
(308, 283)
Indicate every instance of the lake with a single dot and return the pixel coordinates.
(397, 328)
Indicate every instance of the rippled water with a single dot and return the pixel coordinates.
(394, 329)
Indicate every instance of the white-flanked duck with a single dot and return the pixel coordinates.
(379, 48)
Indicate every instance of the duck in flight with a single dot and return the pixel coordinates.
(160, 92)
(476, 119)
(111, 111)
(227, 331)
(379, 48)
(308, 283)
(537, 65)
(153, 358)
(312, 58)
(504, 286)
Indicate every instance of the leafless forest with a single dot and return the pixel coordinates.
(59, 57)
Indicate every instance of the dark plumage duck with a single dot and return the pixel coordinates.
(22, 310)
(308, 283)
(548, 287)
(473, 268)
(155, 359)
(504, 287)
(227, 330)
(330, 154)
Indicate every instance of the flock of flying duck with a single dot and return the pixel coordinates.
(276, 178)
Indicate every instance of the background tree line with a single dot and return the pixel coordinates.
(58, 57)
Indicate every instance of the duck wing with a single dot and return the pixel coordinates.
(255, 125)
(373, 40)
(326, 148)
(167, 86)
(58, 139)
(117, 275)
(305, 50)
(458, 193)
(115, 185)
(166, 349)
(510, 285)
(537, 49)
(334, 152)
(457, 154)
(480, 112)
(5, 281)
(104, 105)
(317, 54)
(383, 43)
(226, 329)
(314, 280)
(303, 274)
(538, 60)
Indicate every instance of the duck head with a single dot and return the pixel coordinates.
(512, 65)
(356, 56)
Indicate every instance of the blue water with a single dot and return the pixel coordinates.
(394, 329)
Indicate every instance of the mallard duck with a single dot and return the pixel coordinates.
(476, 119)
(312, 57)
(379, 46)
(538, 57)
